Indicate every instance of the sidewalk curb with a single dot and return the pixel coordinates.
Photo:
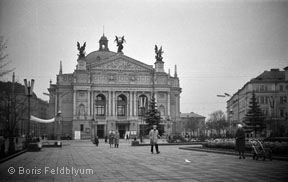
(13, 155)
(228, 152)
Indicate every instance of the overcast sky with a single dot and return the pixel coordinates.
(218, 46)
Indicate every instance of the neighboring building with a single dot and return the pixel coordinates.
(38, 107)
(191, 124)
(271, 90)
(110, 91)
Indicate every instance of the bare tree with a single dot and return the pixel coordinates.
(192, 125)
(217, 122)
(13, 109)
(3, 58)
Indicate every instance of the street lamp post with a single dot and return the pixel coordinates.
(58, 128)
(142, 122)
(29, 92)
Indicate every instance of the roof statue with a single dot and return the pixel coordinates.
(159, 53)
(120, 41)
(81, 50)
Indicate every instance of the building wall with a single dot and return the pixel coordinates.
(271, 94)
(112, 75)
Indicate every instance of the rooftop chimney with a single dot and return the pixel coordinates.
(286, 73)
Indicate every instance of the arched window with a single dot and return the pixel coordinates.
(100, 104)
(121, 105)
(142, 105)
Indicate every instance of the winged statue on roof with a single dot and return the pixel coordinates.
(159, 53)
(119, 41)
(81, 50)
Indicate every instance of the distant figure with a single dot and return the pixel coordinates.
(153, 135)
(117, 137)
(106, 138)
(141, 139)
(240, 141)
(96, 140)
(111, 139)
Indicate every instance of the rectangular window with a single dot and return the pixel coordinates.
(283, 99)
(81, 127)
(281, 88)
(99, 110)
(266, 100)
(81, 94)
(261, 100)
(141, 111)
(281, 113)
(265, 112)
(120, 110)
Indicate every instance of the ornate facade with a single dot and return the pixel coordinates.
(110, 91)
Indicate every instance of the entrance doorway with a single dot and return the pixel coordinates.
(122, 130)
(100, 131)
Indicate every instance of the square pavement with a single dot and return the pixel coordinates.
(83, 161)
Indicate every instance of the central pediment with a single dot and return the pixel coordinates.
(121, 62)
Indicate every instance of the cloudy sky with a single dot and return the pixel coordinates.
(217, 45)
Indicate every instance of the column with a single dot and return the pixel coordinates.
(168, 103)
(74, 102)
(92, 103)
(56, 103)
(156, 97)
(109, 104)
(89, 107)
(131, 103)
(113, 103)
(135, 103)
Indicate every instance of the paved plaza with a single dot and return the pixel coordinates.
(83, 161)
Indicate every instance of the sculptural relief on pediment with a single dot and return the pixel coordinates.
(120, 64)
(122, 78)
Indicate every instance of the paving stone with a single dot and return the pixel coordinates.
(138, 164)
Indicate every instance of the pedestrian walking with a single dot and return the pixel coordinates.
(141, 139)
(111, 139)
(127, 137)
(96, 140)
(153, 135)
(117, 137)
(106, 138)
(240, 141)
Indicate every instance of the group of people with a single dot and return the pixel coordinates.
(113, 139)
(115, 136)
(154, 135)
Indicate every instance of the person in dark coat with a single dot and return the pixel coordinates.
(111, 139)
(96, 140)
(117, 137)
(153, 135)
(106, 138)
(240, 141)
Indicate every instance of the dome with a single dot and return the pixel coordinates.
(98, 56)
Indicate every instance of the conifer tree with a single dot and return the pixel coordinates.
(152, 117)
(254, 120)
